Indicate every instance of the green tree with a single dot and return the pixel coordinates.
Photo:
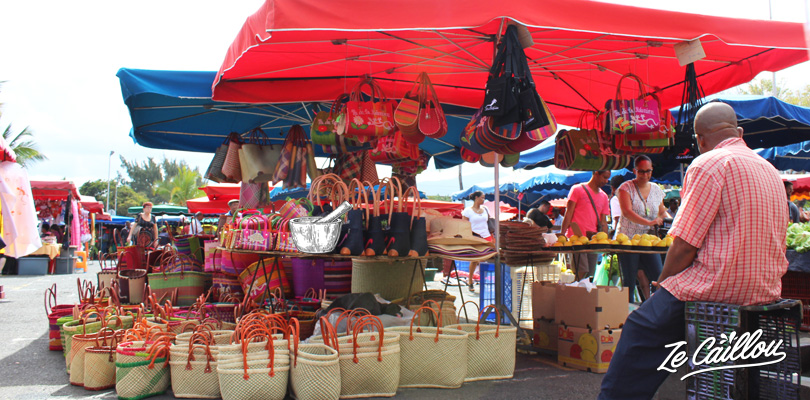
(24, 147)
(127, 197)
(185, 186)
(142, 176)
(96, 188)
(764, 87)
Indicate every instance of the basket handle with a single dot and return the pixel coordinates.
(418, 329)
(372, 322)
(328, 333)
(294, 329)
(497, 321)
(478, 310)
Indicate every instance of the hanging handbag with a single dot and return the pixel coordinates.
(368, 171)
(393, 148)
(528, 139)
(649, 142)
(323, 131)
(432, 121)
(406, 115)
(501, 96)
(636, 116)
(254, 195)
(369, 119)
(578, 150)
(231, 167)
(258, 157)
(214, 171)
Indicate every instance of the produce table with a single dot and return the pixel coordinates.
(798, 262)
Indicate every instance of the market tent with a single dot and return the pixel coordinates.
(207, 206)
(292, 51)
(767, 121)
(114, 220)
(173, 110)
(92, 205)
(54, 190)
(160, 209)
(221, 191)
(793, 156)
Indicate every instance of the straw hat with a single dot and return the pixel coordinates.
(452, 231)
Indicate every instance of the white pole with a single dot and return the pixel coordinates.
(109, 163)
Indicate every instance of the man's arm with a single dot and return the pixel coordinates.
(679, 257)
(569, 214)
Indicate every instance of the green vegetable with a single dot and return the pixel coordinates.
(798, 237)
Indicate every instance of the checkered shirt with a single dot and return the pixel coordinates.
(734, 212)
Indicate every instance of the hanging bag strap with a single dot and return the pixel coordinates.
(588, 192)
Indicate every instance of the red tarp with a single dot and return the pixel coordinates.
(92, 205)
(221, 191)
(53, 190)
(305, 50)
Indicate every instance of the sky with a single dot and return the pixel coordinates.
(59, 61)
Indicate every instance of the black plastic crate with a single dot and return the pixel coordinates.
(778, 321)
(796, 285)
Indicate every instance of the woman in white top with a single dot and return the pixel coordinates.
(478, 216)
(642, 204)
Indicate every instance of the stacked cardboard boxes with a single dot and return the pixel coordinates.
(589, 325)
(544, 324)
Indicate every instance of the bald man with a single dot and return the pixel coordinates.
(715, 256)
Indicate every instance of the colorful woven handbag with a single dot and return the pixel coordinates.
(529, 139)
(369, 119)
(393, 148)
(234, 263)
(258, 157)
(578, 150)
(262, 277)
(432, 121)
(256, 239)
(406, 115)
(214, 171)
(231, 167)
(322, 130)
(254, 195)
(189, 285)
(284, 240)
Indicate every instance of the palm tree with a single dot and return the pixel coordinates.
(25, 148)
(186, 185)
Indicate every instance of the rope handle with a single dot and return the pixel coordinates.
(418, 329)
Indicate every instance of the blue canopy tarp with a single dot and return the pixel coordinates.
(794, 156)
(550, 183)
(116, 220)
(173, 110)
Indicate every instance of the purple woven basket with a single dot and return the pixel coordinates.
(307, 274)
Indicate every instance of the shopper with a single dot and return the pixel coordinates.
(144, 222)
(792, 207)
(124, 235)
(538, 216)
(642, 210)
(615, 207)
(195, 226)
(478, 215)
(715, 257)
(585, 214)
(673, 207)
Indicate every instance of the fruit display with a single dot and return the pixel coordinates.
(601, 238)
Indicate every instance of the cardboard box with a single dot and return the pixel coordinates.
(543, 295)
(545, 334)
(602, 308)
(586, 349)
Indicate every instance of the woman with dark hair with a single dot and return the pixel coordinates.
(478, 216)
(642, 204)
(145, 231)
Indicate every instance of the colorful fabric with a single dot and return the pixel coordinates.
(741, 256)
(19, 216)
(262, 278)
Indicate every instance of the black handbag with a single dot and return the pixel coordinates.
(502, 92)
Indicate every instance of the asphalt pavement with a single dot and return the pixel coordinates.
(28, 370)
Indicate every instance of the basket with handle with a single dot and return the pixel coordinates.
(263, 375)
(99, 362)
(315, 367)
(194, 369)
(491, 348)
(78, 345)
(55, 313)
(370, 365)
(431, 356)
(141, 369)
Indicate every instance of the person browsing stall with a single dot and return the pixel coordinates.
(478, 215)
(642, 206)
(144, 221)
(793, 209)
(585, 214)
(672, 210)
(724, 251)
(615, 207)
(539, 216)
(195, 226)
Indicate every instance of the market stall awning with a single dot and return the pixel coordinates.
(92, 205)
(767, 121)
(54, 190)
(208, 206)
(160, 209)
(221, 191)
(794, 156)
(173, 110)
(292, 50)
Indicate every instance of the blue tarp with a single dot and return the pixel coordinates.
(794, 156)
(550, 183)
(117, 220)
(173, 110)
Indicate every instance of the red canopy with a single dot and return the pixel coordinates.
(92, 205)
(208, 206)
(221, 191)
(304, 50)
(54, 190)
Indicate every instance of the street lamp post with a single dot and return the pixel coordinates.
(109, 163)
(117, 182)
